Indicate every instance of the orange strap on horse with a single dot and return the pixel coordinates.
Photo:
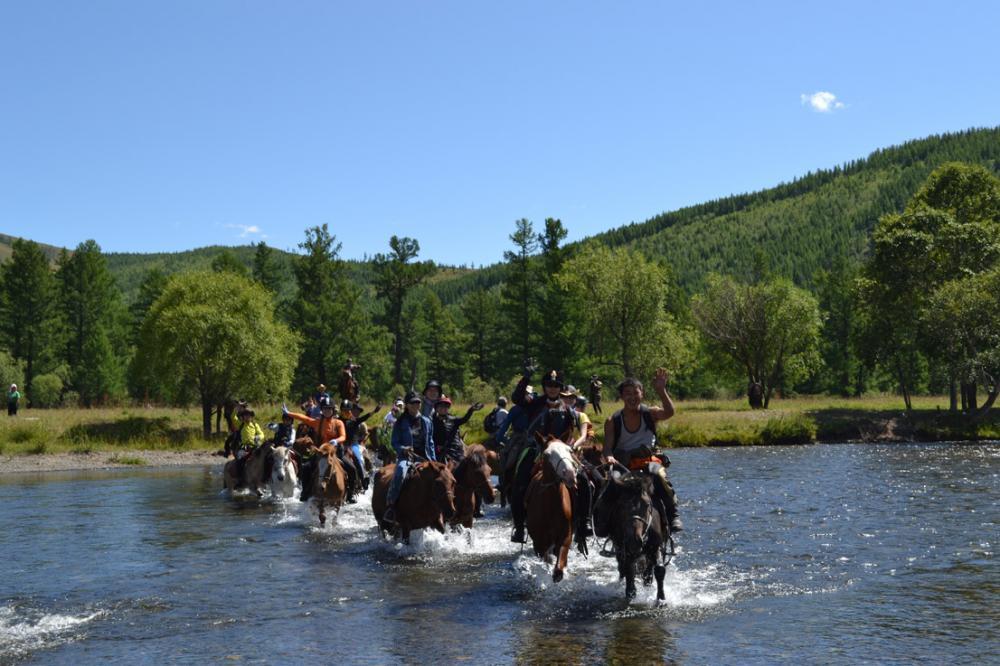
(640, 463)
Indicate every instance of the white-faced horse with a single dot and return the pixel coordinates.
(284, 477)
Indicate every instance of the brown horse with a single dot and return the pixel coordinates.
(427, 498)
(330, 487)
(472, 479)
(253, 477)
(549, 504)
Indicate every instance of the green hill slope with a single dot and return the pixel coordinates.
(801, 226)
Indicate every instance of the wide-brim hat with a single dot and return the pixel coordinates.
(568, 392)
(432, 384)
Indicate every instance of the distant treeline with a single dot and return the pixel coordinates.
(832, 283)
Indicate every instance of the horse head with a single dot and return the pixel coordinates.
(474, 472)
(559, 456)
(442, 487)
(634, 511)
(284, 467)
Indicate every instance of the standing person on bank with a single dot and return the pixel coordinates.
(13, 397)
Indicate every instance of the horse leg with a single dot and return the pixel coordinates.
(557, 573)
(661, 572)
(630, 584)
(321, 505)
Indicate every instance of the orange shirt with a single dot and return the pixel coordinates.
(333, 428)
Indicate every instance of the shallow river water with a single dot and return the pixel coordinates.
(812, 554)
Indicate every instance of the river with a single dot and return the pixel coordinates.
(809, 554)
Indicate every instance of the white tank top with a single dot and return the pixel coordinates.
(633, 441)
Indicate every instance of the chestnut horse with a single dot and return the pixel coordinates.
(549, 503)
(330, 487)
(427, 498)
(472, 479)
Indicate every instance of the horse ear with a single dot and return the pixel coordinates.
(567, 436)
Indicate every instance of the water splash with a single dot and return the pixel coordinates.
(24, 630)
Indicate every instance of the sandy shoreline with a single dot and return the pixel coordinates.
(62, 462)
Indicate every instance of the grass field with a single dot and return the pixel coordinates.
(697, 423)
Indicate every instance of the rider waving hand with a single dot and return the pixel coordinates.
(630, 435)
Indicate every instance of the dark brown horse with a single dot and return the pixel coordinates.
(549, 504)
(250, 474)
(427, 498)
(636, 528)
(472, 479)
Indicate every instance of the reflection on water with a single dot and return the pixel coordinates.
(817, 554)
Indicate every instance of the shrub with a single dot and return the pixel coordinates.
(792, 429)
(11, 371)
(46, 391)
(21, 434)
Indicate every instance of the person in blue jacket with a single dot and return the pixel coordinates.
(412, 434)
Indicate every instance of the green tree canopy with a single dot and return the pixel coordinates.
(395, 274)
(619, 301)
(95, 324)
(28, 311)
(770, 330)
(198, 349)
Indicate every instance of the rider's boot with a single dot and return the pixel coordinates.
(518, 535)
(671, 506)
(389, 517)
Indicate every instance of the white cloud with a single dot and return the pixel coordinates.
(822, 102)
(247, 230)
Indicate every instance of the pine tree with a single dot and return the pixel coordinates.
(395, 274)
(520, 291)
(266, 267)
(28, 310)
(94, 324)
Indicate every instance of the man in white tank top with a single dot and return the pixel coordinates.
(631, 432)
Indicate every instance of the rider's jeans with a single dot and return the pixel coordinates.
(356, 450)
(397, 480)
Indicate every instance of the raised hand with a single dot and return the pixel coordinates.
(476, 407)
(661, 379)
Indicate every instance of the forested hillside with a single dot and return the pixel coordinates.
(800, 227)
(819, 285)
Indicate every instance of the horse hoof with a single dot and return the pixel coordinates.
(557, 575)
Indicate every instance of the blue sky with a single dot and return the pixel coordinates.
(162, 126)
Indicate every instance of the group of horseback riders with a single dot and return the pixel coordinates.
(629, 443)
(423, 429)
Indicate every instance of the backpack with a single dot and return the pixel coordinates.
(490, 422)
(647, 417)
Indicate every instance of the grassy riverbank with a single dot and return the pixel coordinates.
(697, 423)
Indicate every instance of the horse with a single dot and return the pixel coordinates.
(472, 482)
(330, 484)
(636, 528)
(496, 469)
(427, 498)
(284, 475)
(253, 472)
(549, 503)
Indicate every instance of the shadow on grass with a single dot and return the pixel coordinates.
(901, 426)
(131, 430)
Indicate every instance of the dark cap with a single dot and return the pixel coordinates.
(553, 379)
(411, 397)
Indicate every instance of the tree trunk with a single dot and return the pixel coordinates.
(952, 396)
(206, 418)
(903, 388)
(981, 412)
(973, 398)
